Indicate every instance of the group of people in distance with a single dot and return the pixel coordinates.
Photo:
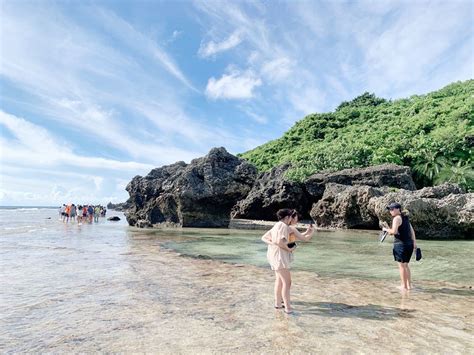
(281, 245)
(81, 213)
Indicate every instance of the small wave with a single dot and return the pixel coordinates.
(15, 228)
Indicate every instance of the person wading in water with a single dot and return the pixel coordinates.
(278, 254)
(403, 244)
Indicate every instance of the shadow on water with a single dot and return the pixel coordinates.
(370, 311)
(449, 291)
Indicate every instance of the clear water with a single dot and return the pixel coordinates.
(355, 254)
(108, 287)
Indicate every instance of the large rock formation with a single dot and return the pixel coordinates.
(271, 192)
(344, 206)
(199, 194)
(389, 175)
(435, 212)
(121, 207)
(440, 212)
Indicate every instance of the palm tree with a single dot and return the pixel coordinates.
(431, 165)
(461, 173)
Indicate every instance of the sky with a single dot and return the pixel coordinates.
(93, 93)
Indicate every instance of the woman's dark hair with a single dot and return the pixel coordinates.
(285, 212)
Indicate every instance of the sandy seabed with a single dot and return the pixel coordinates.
(162, 302)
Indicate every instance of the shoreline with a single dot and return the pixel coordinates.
(254, 224)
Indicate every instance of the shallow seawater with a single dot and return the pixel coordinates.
(108, 287)
(331, 253)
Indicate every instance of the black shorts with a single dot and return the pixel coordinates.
(402, 252)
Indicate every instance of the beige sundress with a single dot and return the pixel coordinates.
(276, 256)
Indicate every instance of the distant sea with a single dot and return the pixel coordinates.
(26, 207)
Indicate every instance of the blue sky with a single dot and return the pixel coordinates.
(93, 93)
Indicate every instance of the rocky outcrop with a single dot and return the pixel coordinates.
(199, 194)
(212, 189)
(388, 175)
(442, 211)
(439, 191)
(120, 207)
(439, 212)
(271, 192)
(344, 206)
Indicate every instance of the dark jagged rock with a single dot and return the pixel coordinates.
(389, 175)
(114, 218)
(439, 212)
(199, 194)
(270, 193)
(344, 206)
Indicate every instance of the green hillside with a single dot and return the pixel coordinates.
(433, 134)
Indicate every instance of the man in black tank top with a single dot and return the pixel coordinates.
(403, 244)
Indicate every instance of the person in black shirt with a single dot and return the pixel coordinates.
(403, 244)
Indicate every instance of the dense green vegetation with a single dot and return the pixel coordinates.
(433, 134)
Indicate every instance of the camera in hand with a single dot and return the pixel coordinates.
(291, 245)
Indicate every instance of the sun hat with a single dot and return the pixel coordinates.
(393, 205)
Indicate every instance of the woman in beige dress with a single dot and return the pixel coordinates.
(278, 253)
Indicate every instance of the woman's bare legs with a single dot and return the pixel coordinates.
(404, 275)
(410, 286)
(277, 290)
(285, 278)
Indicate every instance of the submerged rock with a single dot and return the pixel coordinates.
(199, 194)
(114, 218)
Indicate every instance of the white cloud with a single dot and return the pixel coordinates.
(258, 118)
(139, 42)
(174, 36)
(386, 47)
(211, 48)
(35, 146)
(266, 52)
(412, 47)
(250, 111)
(36, 186)
(308, 100)
(89, 84)
(235, 85)
(278, 69)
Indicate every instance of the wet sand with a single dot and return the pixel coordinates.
(166, 303)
